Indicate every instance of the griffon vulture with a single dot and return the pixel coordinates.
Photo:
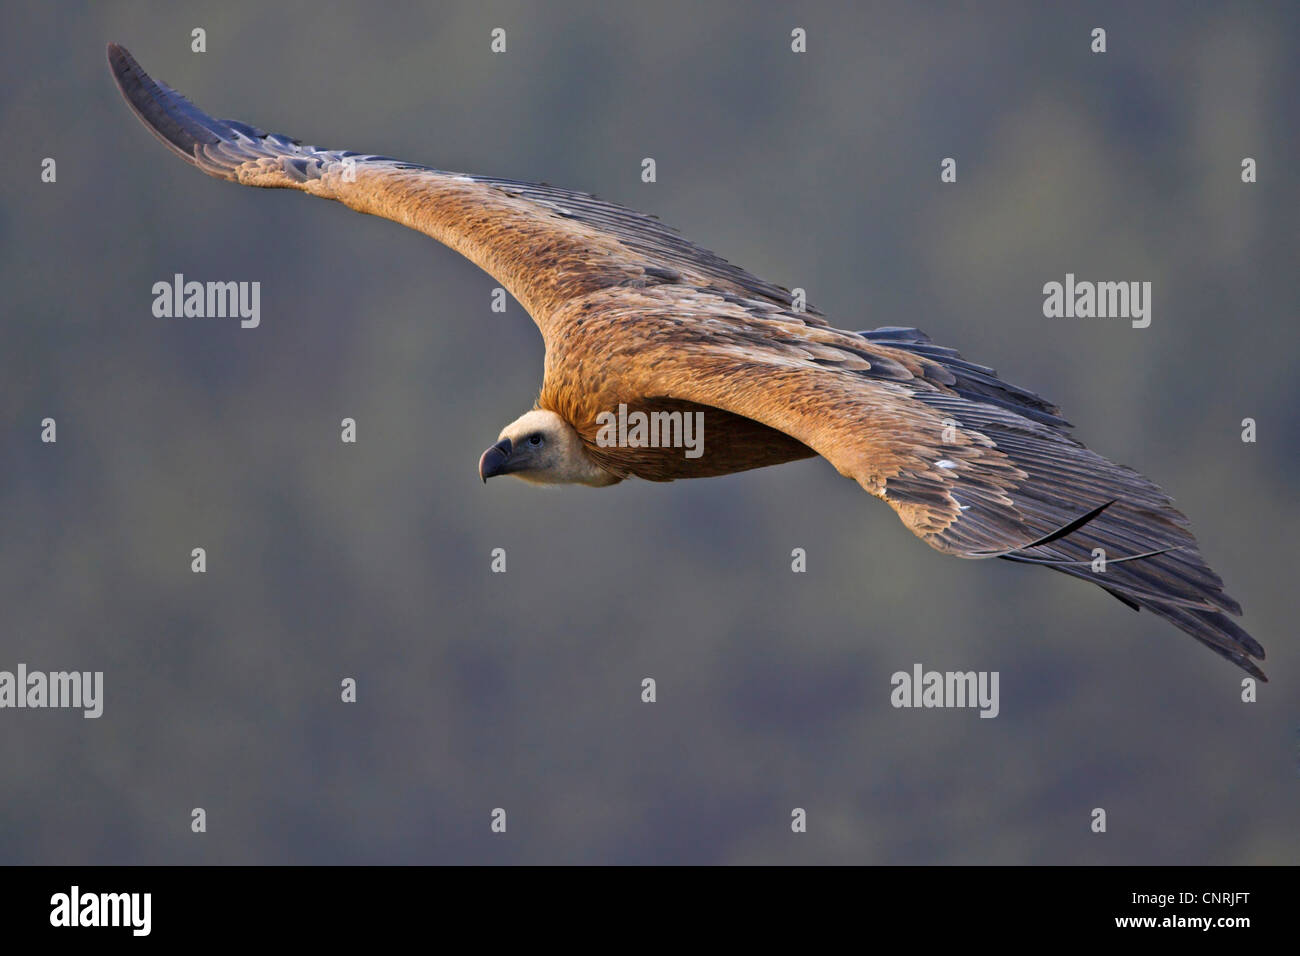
(634, 315)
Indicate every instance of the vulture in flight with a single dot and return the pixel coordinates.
(637, 319)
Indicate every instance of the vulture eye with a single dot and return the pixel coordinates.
(534, 439)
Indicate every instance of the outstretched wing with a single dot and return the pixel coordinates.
(974, 466)
(546, 245)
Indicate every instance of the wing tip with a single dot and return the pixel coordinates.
(175, 121)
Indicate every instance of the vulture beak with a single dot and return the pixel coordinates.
(494, 460)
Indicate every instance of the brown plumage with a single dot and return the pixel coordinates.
(632, 314)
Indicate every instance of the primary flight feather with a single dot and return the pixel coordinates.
(635, 317)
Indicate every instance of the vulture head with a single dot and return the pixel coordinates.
(542, 448)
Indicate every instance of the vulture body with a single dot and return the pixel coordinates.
(632, 314)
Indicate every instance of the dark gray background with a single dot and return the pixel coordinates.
(522, 690)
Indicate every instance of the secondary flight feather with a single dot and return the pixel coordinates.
(634, 317)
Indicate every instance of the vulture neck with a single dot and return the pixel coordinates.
(584, 469)
(578, 465)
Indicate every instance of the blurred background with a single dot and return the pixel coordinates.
(522, 690)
